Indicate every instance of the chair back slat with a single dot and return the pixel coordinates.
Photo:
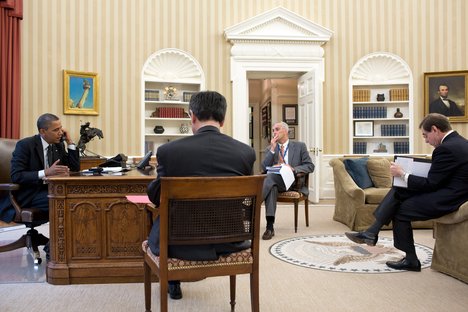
(210, 221)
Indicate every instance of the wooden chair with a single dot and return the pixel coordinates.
(30, 217)
(295, 196)
(207, 210)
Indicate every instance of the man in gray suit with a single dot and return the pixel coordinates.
(290, 153)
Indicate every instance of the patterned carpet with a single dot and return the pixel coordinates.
(334, 252)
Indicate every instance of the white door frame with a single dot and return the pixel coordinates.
(278, 40)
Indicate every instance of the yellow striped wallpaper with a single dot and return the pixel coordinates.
(115, 37)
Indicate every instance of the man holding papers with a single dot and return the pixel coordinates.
(443, 191)
(284, 159)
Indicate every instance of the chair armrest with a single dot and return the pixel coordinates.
(152, 212)
(9, 187)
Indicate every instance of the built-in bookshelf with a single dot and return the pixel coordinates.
(381, 106)
(165, 113)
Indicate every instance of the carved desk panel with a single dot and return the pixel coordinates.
(95, 232)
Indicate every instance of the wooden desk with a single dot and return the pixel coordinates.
(95, 232)
(88, 162)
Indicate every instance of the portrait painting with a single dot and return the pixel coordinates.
(80, 93)
(446, 93)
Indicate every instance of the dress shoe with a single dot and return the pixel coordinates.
(405, 264)
(268, 234)
(174, 291)
(363, 237)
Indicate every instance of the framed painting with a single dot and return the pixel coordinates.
(80, 93)
(290, 114)
(446, 93)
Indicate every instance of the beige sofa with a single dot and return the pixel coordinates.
(354, 206)
(451, 244)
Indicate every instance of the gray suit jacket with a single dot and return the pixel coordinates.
(298, 158)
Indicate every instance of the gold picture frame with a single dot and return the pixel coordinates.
(457, 83)
(80, 93)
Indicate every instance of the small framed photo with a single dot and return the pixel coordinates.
(187, 95)
(290, 114)
(363, 128)
(80, 93)
(292, 133)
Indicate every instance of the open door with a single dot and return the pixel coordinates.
(310, 120)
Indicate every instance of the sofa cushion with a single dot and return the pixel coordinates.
(379, 171)
(375, 195)
(357, 169)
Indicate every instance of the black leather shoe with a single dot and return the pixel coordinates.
(405, 264)
(174, 291)
(363, 237)
(268, 234)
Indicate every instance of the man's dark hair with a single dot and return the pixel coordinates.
(443, 84)
(440, 121)
(43, 122)
(208, 105)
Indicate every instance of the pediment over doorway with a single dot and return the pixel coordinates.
(278, 24)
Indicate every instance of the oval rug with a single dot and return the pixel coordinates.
(335, 252)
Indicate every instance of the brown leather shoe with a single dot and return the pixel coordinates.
(268, 234)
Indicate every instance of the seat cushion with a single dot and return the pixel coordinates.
(290, 194)
(379, 172)
(375, 195)
(241, 257)
(357, 169)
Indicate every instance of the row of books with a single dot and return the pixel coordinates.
(399, 94)
(169, 112)
(393, 130)
(398, 147)
(401, 147)
(359, 147)
(151, 95)
(369, 112)
(361, 95)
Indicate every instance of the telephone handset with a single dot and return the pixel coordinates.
(63, 138)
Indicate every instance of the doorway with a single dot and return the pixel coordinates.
(280, 42)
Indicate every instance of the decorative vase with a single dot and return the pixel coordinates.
(158, 129)
(398, 114)
(380, 97)
(184, 128)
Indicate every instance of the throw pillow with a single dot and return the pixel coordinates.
(379, 171)
(357, 169)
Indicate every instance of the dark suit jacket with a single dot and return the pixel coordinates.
(438, 106)
(446, 186)
(28, 159)
(298, 158)
(206, 153)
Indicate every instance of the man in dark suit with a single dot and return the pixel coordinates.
(207, 153)
(443, 105)
(34, 159)
(282, 151)
(442, 192)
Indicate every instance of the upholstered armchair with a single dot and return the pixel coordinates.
(451, 246)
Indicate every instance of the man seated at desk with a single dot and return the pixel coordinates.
(207, 153)
(36, 158)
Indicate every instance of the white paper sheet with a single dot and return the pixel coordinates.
(287, 175)
(409, 165)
